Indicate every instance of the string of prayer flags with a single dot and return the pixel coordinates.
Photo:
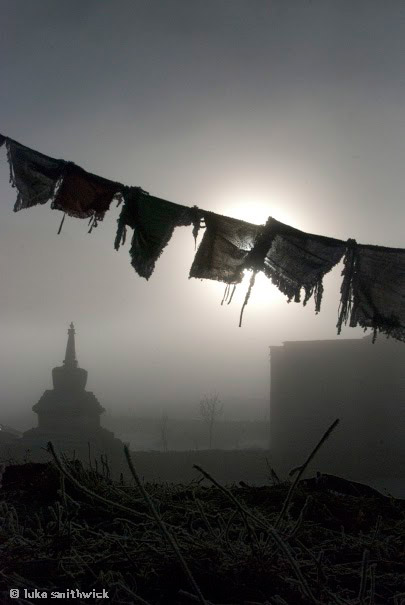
(373, 286)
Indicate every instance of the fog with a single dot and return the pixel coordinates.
(250, 109)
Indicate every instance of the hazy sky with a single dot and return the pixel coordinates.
(249, 108)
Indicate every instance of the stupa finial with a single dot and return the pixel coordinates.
(70, 356)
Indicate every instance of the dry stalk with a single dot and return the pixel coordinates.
(363, 581)
(89, 492)
(302, 470)
(166, 533)
(274, 534)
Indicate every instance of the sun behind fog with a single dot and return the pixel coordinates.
(264, 291)
(251, 212)
(258, 212)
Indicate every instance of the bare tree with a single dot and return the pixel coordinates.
(163, 431)
(211, 408)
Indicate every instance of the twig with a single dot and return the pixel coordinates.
(137, 598)
(377, 529)
(274, 533)
(204, 516)
(164, 529)
(300, 519)
(363, 581)
(302, 470)
(191, 597)
(89, 492)
(372, 583)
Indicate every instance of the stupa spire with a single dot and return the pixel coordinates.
(70, 360)
(69, 376)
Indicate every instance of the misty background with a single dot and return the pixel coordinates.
(246, 108)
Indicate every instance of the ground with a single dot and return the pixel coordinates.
(65, 528)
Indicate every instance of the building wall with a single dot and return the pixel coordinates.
(362, 384)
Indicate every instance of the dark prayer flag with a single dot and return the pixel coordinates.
(373, 289)
(153, 221)
(34, 175)
(295, 260)
(224, 249)
(83, 194)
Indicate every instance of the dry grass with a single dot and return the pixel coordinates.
(66, 527)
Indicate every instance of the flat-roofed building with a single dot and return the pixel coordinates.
(361, 383)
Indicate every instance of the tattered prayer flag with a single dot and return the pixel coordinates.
(34, 175)
(224, 248)
(153, 221)
(373, 289)
(296, 260)
(83, 194)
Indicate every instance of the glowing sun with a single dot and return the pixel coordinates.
(263, 292)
